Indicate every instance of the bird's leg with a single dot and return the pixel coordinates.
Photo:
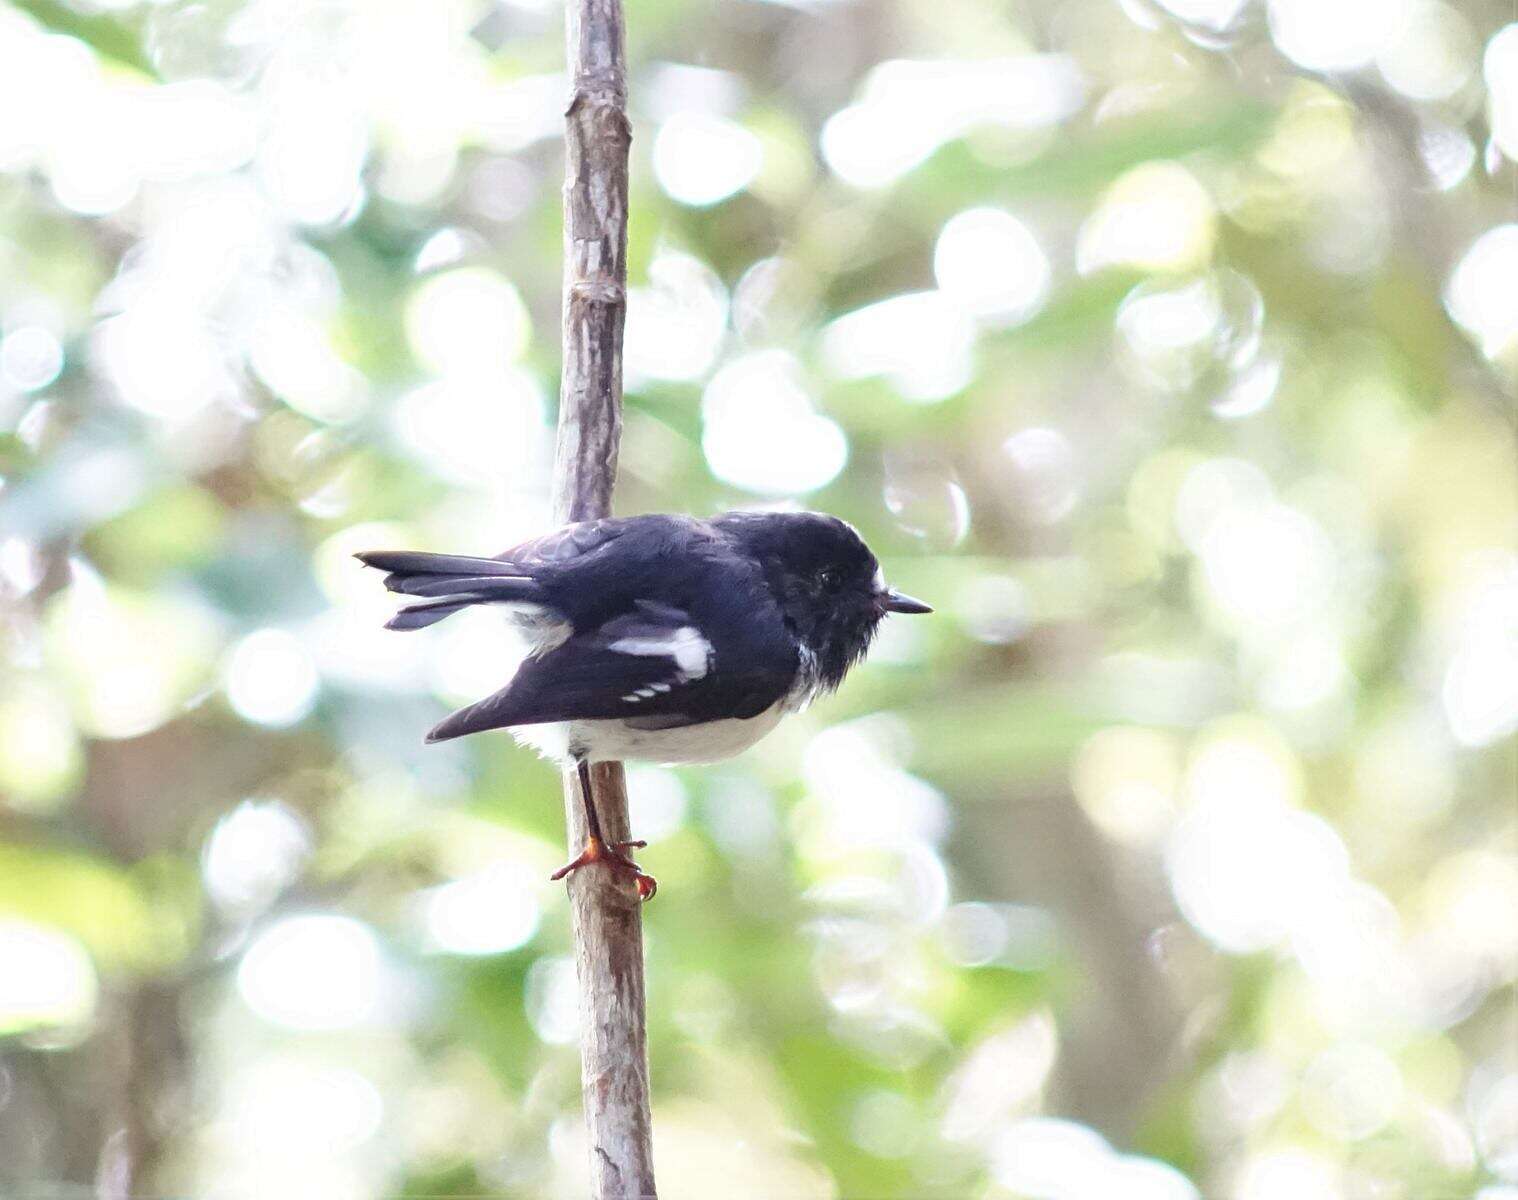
(598, 849)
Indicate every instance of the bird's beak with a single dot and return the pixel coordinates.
(897, 603)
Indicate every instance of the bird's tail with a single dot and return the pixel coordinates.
(448, 582)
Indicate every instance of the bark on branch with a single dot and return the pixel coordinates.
(607, 922)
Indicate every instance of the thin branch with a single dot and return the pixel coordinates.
(607, 922)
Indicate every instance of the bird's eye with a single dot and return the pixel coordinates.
(828, 578)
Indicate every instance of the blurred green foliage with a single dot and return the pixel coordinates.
(1175, 857)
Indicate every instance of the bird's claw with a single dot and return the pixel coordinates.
(614, 855)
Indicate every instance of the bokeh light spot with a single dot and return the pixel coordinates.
(467, 322)
(988, 261)
(270, 678)
(46, 978)
(1157, 217)
(761, 432)
(1500, 67)
(701, 159)
(920, 341)
(30, 358)
(254, 852)
(675, 325)
(1335, 35)
(1482, 295)
(490, 911)
(313, 971)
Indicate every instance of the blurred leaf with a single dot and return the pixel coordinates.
(1082, 161)
(1037, 731)
(96, 902)
(108, 36)
(174, 527)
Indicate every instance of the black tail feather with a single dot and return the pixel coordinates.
(505, 587)
(419, 616)
(420, 562)
(455, 580)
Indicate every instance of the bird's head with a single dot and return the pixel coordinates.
(830, 587)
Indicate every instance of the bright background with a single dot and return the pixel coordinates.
(1167, 346)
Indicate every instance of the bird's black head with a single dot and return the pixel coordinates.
(830, 587)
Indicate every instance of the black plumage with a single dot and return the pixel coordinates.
(658, 637)
(644, 625)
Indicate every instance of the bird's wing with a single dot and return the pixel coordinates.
(655, 662)
(572, 572)
(568, 542)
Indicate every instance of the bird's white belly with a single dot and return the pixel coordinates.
(605, 741)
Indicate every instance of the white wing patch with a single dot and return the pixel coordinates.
(685, 647)
(647, 693)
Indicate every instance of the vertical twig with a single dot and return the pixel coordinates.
(607, 924)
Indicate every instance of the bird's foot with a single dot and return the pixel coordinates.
(614, 855)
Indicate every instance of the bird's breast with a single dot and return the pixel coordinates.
(605, 741)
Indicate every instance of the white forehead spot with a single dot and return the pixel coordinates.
(880, 579)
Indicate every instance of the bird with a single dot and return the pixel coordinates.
(662, 637)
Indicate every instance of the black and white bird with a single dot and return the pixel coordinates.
(663, 638)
